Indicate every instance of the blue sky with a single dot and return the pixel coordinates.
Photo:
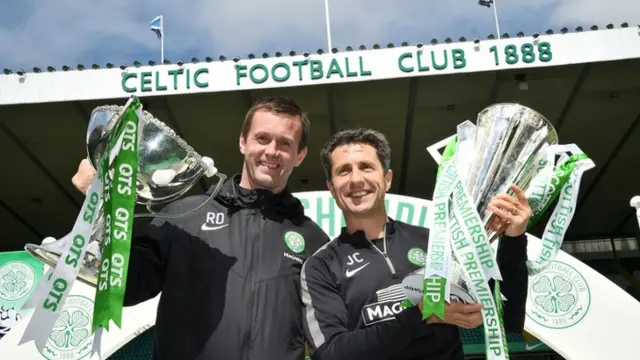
(69, 32)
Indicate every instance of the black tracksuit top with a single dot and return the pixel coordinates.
(352, 298)
(230, 283)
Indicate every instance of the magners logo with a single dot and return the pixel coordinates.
(387, 306)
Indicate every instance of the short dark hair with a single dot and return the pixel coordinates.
(279, 105)
(356, 136)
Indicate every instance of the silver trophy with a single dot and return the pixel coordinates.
(500, 150)
(167, 168)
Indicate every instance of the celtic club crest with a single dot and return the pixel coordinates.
(295, 241)
(71, 337)
(417, 256)
(559, 297)
(16, 280)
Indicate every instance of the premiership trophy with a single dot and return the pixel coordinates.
(167, 168)
(500, 151)
(509, 144)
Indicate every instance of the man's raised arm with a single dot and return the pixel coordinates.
(150, 247)
(512, 262)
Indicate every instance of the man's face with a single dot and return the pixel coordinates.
(270, 149)
(358, 182)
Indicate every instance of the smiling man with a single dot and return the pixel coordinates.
(228, 273)
(351, 287)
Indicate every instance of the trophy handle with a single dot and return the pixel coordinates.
(216, 190)
(434, 150)
(635, 202)
(51, 249)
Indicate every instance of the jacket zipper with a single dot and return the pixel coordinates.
(384, 253)
(253, 213)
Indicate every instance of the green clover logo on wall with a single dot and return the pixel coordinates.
(14, 281)
(69, 330)
(554, 295)
(559, 297)
(17, 279)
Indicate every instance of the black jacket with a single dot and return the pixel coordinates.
(353, 299)
(230, 284)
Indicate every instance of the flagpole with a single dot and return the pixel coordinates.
(495, 15)
(162, 40)
(328, 24)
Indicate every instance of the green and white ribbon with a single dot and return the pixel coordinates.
(472, 222)
(119, 205)
(456, 219)
(439, 264)
(471, 250)
(551, 182)
(51, 293)
(462, 147)
(436, 287)
(478, 283)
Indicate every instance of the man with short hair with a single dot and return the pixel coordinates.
(230, 287)
(365, 265)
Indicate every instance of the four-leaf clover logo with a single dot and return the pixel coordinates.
(554, 295)
(294, 241)
(70, 329)
(417, 256)
(14, 281)
(559, 296)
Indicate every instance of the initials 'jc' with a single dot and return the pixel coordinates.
(354, 258)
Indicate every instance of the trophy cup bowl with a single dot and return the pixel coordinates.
(167, 168)
(509, 138)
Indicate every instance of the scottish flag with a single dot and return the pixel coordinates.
(157, 26)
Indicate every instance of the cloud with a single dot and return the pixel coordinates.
(598, 12)
(64, 31)
(35, 33)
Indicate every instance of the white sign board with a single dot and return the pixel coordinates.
(319, 69)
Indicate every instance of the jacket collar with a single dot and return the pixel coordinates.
(359, 238)
(234, 196)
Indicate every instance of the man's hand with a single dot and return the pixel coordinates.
(84, 177)
(462, 315)
(510, 214)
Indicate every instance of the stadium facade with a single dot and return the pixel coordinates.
(583, 81)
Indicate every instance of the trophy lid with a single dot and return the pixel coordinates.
(520, 114)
